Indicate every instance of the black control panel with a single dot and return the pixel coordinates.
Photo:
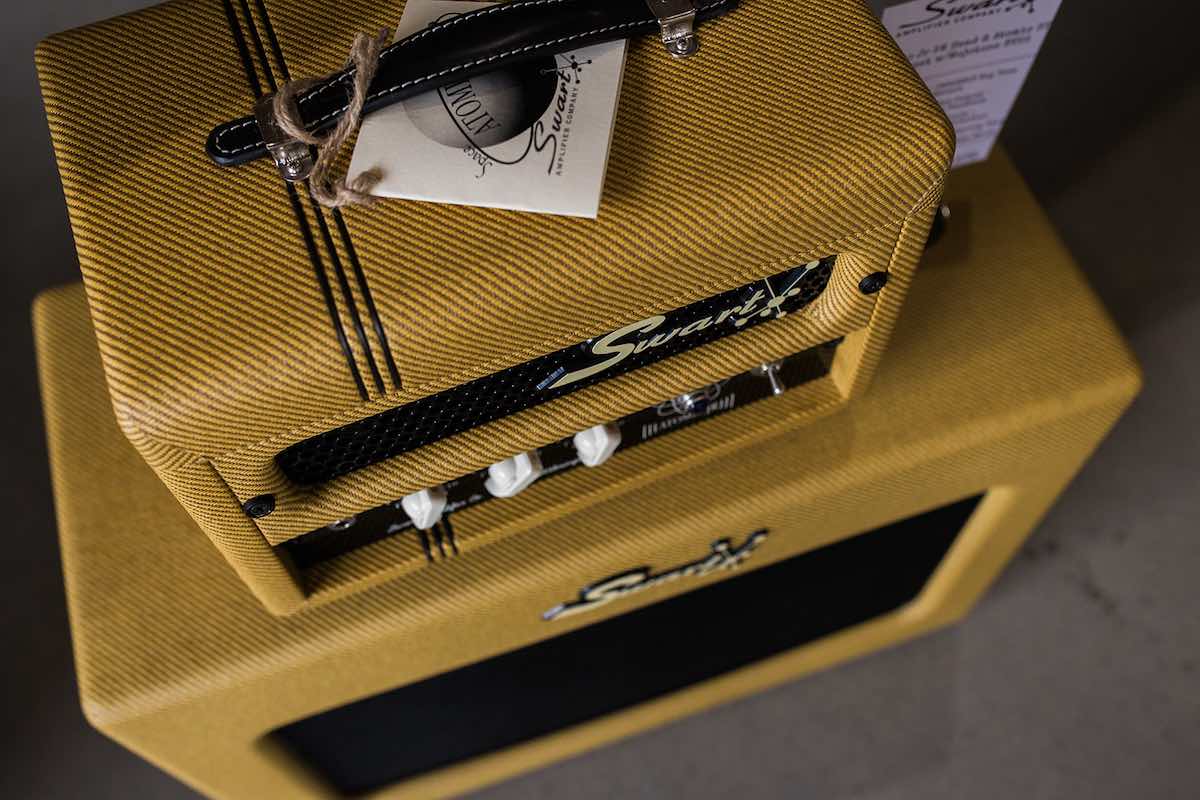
(642, 426)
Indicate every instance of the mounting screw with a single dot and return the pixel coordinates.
(873, 282)
(684, 47)
(259, 507)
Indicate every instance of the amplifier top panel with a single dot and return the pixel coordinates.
(796, 131)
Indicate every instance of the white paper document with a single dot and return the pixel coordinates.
(974, 55)
(532, 137)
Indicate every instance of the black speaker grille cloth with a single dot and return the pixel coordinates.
(537, 690)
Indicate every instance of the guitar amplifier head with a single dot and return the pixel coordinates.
(294, 373)
(797, 549)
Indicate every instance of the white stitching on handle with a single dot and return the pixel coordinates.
(456, 68)
(477, 62)
(389, 51)
(226, 131)
(441, 26)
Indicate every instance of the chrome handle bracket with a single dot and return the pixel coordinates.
(292, 158)
(677, 19)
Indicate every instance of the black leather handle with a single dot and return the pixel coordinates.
(456, 49)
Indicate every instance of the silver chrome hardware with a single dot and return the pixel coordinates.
(685, 403)
(677, 19)
(292, 158)
(343, 524)
(771, 371)
(695, 401)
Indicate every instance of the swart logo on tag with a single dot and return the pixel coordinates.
(724, 557)
(638, 337)
(962, 10)
(529, 136)
(506, 116)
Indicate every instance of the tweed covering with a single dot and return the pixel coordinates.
(235, 317)
(178, 661)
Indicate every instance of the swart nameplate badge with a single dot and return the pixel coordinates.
(530, 137)
(724, 557)
(649, 340)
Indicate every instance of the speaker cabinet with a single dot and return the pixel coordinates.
(528, 636)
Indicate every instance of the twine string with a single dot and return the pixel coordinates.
(329, 190)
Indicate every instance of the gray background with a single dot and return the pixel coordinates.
(1076, 677)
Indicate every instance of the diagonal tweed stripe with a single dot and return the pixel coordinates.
(179, 663)
(799, 132)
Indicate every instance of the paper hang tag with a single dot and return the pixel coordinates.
(532, 137)
(974, 55)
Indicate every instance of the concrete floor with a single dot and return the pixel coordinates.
(1076, 677)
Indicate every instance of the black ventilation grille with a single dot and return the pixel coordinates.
(630, 659)
(341, 451)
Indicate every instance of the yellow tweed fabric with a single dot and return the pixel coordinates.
(178, 661)
(799, 131)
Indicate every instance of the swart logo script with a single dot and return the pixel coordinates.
(635, 337)
(724, 557)
(949, 9)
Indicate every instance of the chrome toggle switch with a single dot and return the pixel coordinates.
(513, 475)
(771, 371)
(595, 445)
(425, 507)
